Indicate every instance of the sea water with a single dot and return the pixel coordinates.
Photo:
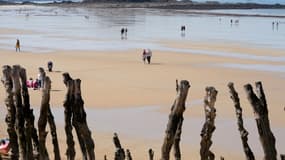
(44, 29)
(88, 29)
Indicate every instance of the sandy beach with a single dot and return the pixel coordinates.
(122, 94)
(112, 80)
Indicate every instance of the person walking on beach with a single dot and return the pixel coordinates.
(17, 45)
(144, 56)
(41, 77)
(183, 29)
(50, 65)
(122, 33)
(147, 55)
(126, 32)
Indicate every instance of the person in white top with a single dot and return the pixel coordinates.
(41, 77)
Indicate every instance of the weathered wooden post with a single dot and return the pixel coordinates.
(209, 125)
(259, 106)
(20, 119)
(69, 98)
(222, 158)
(30, 130)
(151, 154)
(282, 156)
(174, 126)
(74, 108)
(129, 156)
(42, 122)
(243, 132)
(46, 116)
(11, 111)
(105, 157)
(53, 135)
(120, 153)
(80, 123)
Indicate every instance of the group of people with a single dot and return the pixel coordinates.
(39, 81)
(273, 25)
(146, 56)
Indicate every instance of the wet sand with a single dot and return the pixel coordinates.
(135, 98)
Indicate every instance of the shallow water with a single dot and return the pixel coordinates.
(90, 29)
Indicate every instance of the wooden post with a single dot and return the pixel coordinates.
(105, 157)
(243, 132)
(80, 123)
(259, 106)
(20, 120)
(74, 108)
(222, 158)
(177, 137)
(11, 111)
(30, 130)
(151, 154)
(174, 126)
(46, 116)
(209, 125)
(69, 98)
(129, 156)
(120, 153)
(282, 156)
(53, 135)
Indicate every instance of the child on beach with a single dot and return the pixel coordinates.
(18, 45)
(32, 83)
(50, 65)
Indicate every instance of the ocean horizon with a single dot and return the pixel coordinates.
(221, 1)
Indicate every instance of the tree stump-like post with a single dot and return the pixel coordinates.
(11, 111)
(20, 118)
(105, 157)
(46, 116)
(69, 98)
(151, 154)
(30, 130)
(209, 125)
(129, 156)
(282, 156)
(42, 122)
(80, 123)
(259, 105)
(174, 126)
(243, 132)
(74, 109)
(53, 135)
(120, 153)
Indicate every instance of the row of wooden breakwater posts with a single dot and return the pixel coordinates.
(28, 144)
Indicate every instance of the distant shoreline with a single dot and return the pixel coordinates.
(158, 5)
